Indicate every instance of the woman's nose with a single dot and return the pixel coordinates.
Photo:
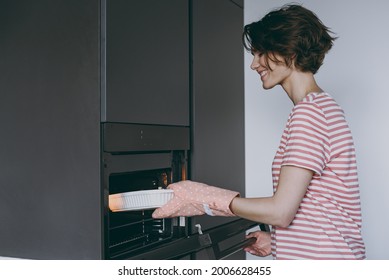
(254, 64)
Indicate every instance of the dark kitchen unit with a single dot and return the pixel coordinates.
(218, 100)
(106, 96)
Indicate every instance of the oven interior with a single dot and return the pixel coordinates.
(132, 232)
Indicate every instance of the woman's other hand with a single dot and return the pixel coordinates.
(261, 247)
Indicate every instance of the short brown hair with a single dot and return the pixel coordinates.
(293, 32)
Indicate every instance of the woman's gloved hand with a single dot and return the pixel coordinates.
(262, 247)
(193, 199)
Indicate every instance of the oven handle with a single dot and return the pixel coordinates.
(236, 247)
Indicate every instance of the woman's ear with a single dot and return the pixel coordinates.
(293, 61)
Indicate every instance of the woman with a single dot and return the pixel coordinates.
(315, 211)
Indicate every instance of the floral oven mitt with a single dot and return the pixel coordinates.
(193, 199)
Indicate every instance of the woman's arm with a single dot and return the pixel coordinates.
(280, 209)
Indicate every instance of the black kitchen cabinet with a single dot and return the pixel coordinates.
(147, 62)
(68, 68)
(50, 195)
(218, 97)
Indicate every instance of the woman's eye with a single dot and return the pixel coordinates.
(256, 53)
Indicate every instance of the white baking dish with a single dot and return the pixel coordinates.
(139, 200)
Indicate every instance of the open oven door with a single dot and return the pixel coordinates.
(214, 244)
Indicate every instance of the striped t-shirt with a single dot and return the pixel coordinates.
(328, 222)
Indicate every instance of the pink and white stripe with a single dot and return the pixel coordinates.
(328, 222)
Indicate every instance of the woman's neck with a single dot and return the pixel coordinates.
(299, 85)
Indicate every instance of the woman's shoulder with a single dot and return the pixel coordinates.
(318, 101)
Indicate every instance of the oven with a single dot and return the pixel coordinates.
(136, 158)
(145, 157)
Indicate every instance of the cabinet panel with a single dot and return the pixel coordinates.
(147, 58)
(50, 191)
(218, 98)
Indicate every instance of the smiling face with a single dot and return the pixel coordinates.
(273, 71)
(293, 32)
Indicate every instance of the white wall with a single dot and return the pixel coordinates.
(356, 73)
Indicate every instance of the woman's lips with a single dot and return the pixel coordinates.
(263, 73)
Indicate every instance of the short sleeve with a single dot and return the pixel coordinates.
(307, 139)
